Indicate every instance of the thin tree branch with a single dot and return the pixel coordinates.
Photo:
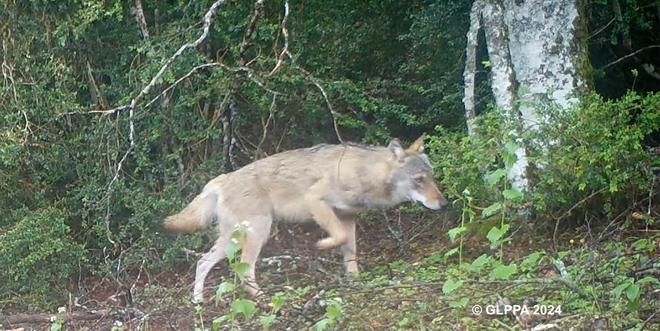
(96, 95)
(131, 107)
(628, 56)
(314, 80)
(285, 33)
(271, 112)
(234, 86)
(602, 28)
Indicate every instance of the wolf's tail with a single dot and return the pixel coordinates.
(197, 215)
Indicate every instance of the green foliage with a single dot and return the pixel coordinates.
(597, 149)
(593, 154)
(333, 314)
(70, 60)
(39, 257)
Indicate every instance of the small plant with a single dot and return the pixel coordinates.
(238, 307)
(57, 321)
(333, 314)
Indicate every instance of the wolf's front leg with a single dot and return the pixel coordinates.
(257, 232)
(324, 216)
(349, 249)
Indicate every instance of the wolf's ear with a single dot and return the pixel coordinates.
(417, 146)
(395, 147)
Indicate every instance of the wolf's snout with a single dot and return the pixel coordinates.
(432, 198)
(443, 203)
(436, 204)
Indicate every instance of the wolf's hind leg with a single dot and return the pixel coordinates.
(206, 263)
(256, 235)
(349, 249)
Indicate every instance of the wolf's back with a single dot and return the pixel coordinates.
(197, 215)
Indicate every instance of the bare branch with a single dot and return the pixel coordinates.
(131, 137)
(628, 56)
(131, 108)
(228, 111)
(71, 316)
(182, 78)
(95, 92)
(285, 33)
(271, 112)
(335, 115)
(205, 32)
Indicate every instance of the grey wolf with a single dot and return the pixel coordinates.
(327, 184)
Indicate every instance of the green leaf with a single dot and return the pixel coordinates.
(451, 285)
(240, 268)
(480, 262)
(491, 210)
(462, 303)
(620, 288)
(503, 272)
(322, 324)
(495, 176)
(277, 301)
(513, 195)
(219, 322)
(509, 154)
(531, 261)
(644, 245)
(632, 292)
(451, 252)
(223, 288)
(496, 234)
(266, 321)
(232, 250)
(613, 187)
(648, 280)
(243, 307)
(333, 310)
(455, 232)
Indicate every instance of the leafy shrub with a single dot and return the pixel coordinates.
(38, 257)
(594, 153)
(596, 150)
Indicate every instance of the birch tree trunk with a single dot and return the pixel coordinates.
(471, 66)
(538, 56)
(547, 41)
(503, 85)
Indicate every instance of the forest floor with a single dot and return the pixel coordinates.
(407, 283)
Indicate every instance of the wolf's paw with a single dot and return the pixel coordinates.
(329, 242)
(352, 268)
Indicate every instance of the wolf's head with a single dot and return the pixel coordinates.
(412, 177)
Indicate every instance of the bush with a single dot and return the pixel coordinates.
(38, 258)
(594, 153)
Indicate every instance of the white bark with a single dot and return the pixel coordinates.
(538, 59)
(546, 53)
(548, 57)
(471, 65)
(503, 85)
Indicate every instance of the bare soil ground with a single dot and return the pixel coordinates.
(290, 263)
